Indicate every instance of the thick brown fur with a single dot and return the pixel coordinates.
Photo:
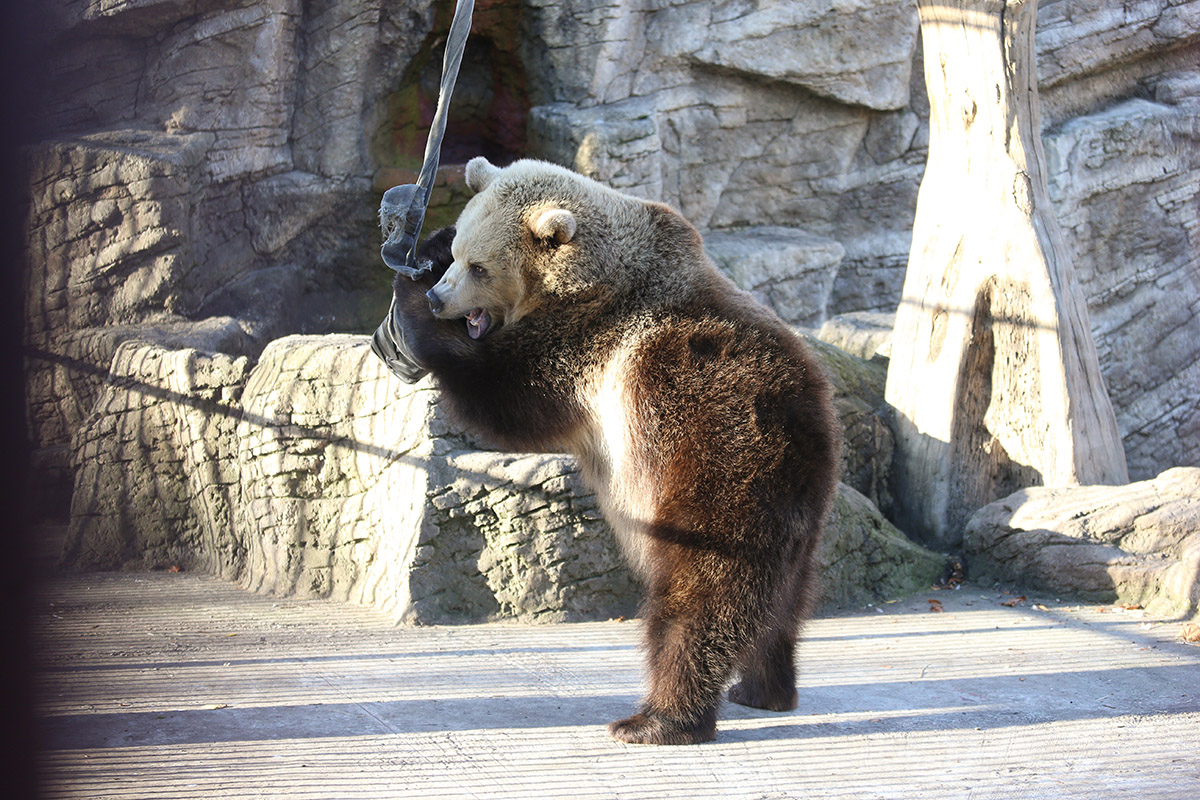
(700, 419)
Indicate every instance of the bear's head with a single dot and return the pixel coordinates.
(533, 234)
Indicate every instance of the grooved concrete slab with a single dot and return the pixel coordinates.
(159, 685)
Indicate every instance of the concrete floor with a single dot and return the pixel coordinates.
(181, 686)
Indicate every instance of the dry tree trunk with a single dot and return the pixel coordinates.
(994, 375)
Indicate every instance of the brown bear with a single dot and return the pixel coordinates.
(568, 317)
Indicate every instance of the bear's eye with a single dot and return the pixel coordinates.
(477, 270)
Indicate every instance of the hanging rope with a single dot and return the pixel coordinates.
(402, 209)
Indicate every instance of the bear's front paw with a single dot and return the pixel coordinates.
(648, 728)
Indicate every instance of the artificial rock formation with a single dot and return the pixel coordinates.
(315, 473)
(784, 268)
(674, 110)
(1138, 543)
(866, 334)
(225, 158)
(1124, 187)
(206, 173)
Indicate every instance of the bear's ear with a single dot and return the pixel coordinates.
(553, 223)
(479, 173)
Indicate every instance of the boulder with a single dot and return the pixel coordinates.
(1080, 38)
(109, 228)
(864, 558)
(155, 476)
(616, 143)
(866, 334)
(1138, 543)
(868, 443)
(64, 384)
(858, 52)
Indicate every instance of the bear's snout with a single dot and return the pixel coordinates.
(435, 302)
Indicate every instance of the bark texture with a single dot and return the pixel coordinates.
(994, 374)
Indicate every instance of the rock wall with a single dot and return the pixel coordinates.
(764, 117)
(202, 159)
(1126, 183)
(206, 173)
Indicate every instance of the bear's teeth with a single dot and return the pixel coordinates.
(478, 323)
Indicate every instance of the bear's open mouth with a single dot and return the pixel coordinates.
(479, 322)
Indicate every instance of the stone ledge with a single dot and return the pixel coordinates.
(313, 473)
(866, 334)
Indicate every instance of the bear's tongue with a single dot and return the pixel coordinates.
(478, 323)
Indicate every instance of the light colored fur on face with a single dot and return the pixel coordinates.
(525, 219)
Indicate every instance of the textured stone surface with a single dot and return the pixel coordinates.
(1079, 38)
(208, 158)
(153, 466)
(353, 54)
(1127, 194)
(124, 232)
(618, 144)
(865, 558)
(867, 440)
(866, 334)
(245, 57)
(786, 269)
(313, 473)
(110, 239)
(856, 51)
(517, 536)
(804, 121)
(1138, 543)
(66, 383)
(224, 159)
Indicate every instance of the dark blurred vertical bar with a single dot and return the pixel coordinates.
(19, 36)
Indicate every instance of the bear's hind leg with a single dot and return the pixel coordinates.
(650, 727)
(700, 617)
(685, 677)
(769, 677)
(685, 684)
(768, 673)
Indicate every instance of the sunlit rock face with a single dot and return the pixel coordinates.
(204, 176)
(1138, 543)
